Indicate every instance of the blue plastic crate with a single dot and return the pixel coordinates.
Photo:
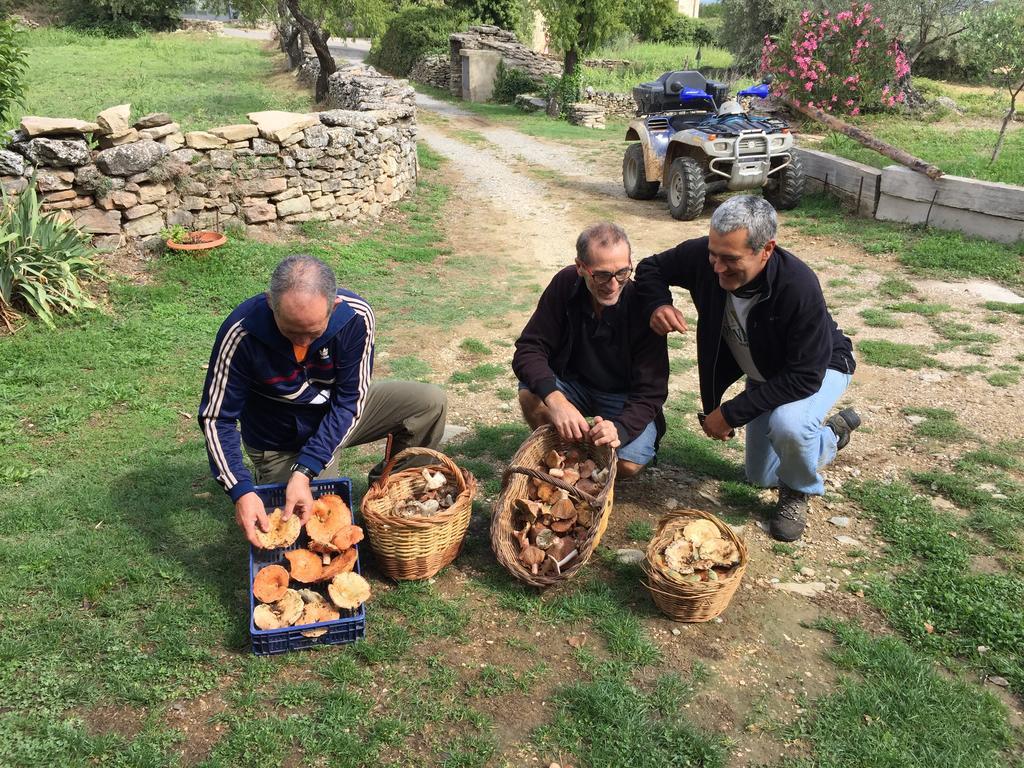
(352, 624)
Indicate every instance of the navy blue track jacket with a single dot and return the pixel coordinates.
(282, 405)
(793, 338)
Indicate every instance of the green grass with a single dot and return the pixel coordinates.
(647, 61)
(894, 708)
(479, 373)
(879, 318)
(474, 347)
(1002, 306)
(1003, 378)
(938, 424)
(957, 151)
(919, 308)
(202, 81)
(889, 354)
(927, 252)
(639, 530)
(409, 367)
(895, 287)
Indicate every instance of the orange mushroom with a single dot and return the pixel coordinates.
(305, 565)
(281, 533)
(270, 584)
(342, 563)
(326, 519)
(347, 536)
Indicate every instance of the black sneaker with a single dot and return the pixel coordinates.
(843, 423)
(788, 520)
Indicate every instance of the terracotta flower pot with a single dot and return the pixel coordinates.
(202, 240)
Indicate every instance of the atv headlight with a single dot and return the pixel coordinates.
(778, 142)
(721, 146)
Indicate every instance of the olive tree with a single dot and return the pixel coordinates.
(995, 39)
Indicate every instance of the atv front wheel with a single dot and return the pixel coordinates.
(686, 190)
(634, 177)
(785, 189)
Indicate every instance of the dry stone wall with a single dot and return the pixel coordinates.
(116, 178)
(514, 54)
(432, 69)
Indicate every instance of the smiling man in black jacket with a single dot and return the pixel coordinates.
(588, 351)
(760, 313)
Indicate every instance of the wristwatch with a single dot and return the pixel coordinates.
(296, 467)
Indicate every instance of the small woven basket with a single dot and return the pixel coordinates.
(696, 601)
(515, 485)
(410, 548)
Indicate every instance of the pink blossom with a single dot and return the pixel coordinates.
(808, 85)
(849, 102)
(855, 111)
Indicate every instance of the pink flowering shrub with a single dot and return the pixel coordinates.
(841, 62)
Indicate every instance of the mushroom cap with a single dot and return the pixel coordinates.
(587, 485)
(264, 617)
(563, 509)
(329, 514)
(306, 566)
(270, 584)
(561, 548)
(347, 536)
(530, 510)
(699, 531)
(570, 475)
(554, 459)
(532, 556)
(281, 533)
(289, 607)
(563, 526)
(315, 612)
(342, 563)
(720, 551)
(678, 555)
(586, 468)
(349, 590)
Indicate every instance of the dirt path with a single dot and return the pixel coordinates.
(526, 199)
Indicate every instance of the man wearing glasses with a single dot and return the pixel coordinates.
(760, 313)
(588, 351)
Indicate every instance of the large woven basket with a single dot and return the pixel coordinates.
(697, 601)
(515, 485)
(409, 548)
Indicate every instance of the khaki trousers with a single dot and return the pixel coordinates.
(412, 413)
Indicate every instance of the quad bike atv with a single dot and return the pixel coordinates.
(693, 139)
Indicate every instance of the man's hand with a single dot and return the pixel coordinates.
(604, 433)
(666, 319)
(297, 498)
(249, 512)
(565, 418)
(715, 426)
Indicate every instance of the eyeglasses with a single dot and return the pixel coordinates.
(603, 278)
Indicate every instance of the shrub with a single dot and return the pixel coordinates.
(685, 30)
(12, 67)
(843, 62)
(509, 82)
(412, 33)
(41, 259)
(745, 23)
(648, 19)
(117, 18)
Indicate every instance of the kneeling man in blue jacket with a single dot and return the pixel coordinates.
(760, 314)
(292, 367)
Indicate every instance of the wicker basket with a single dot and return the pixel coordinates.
(697, 601)
(515, 485)
(409, 548)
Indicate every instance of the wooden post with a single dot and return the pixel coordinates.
(869, 141)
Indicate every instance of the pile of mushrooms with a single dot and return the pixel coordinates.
(697, 552)
(327, 562)
(436, 496)
(549, 526)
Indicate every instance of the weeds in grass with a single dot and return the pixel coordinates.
(895, 287)
(639, 530)
(889, 354)
(479, 373)
(1003, 378)
(879, 318)
(474, 347)
(919, 308)
(938, 424)
(409, 367)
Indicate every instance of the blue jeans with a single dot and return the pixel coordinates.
(608, 405)
(791, 444)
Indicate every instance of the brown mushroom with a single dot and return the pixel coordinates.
(545, 538)
(563, 526)
(530, 510)
(586, 468)
(563, 509)
(532, 557)
(270, 584)
(553, 459)
(720, 551)
(699, 531)
(584, 514)
(561, 548)
(678, 555)
(305, 565)
(348, 536)
(570, 476)
(521, 537)
(342, 563)
(349, 590)
(280, 533)
(588, 486)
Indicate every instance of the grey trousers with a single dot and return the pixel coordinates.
(412, 413)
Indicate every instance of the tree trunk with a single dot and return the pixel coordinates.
(572, 57)
(318, 40)
(869, 141)
(1006, 122)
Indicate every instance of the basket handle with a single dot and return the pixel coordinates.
(443, 460)
(545, 477)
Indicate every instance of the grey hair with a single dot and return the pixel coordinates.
(604, 233)
(305, 274)
(754, 214)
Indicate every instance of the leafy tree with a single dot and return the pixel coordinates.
(649, 19)
(507, 14)
(745, 24)
(995, 38)
(318, 38)
(12, 67)
(414, 32)
(577, 27)
(123, 17)
(926, 23)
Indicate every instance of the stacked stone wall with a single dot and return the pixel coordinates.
(514, 55)
(614, 104)
(341, 164)
(432, 69)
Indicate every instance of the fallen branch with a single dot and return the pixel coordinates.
(869, 141)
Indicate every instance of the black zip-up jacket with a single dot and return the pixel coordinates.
(544, 349)
(793, 338)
